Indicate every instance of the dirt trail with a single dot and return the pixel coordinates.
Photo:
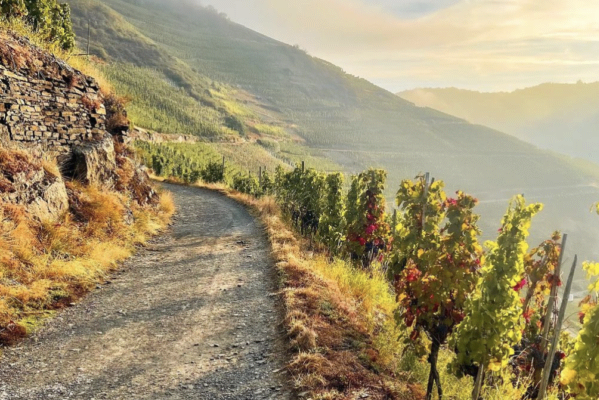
(193, 316)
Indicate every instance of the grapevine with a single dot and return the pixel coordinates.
(332, 221)
(493, 324)
(368, 233)
(441, 264)
(581, 372)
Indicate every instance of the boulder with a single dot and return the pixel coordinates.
(52, 202)
(92, 162)
(43, 194)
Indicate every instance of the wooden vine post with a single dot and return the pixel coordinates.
(478, 382)
(552, 298)
(426, 179)
(89, 35)
(556, 333)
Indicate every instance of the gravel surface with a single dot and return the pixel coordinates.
(192, 316)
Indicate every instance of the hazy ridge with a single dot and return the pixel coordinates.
(560, 117)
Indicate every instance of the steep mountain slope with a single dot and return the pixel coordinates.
(329, 108)
(561, 117)
(354, 122)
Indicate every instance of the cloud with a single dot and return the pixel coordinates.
(481, 44)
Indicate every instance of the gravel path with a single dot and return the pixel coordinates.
(193, 316)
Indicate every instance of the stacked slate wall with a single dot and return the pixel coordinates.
(43, 100)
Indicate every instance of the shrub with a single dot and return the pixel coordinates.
(213, 172)
(50, 18)
(246, 184)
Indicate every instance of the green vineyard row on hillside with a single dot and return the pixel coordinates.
(490, 305)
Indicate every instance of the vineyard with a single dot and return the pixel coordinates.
(491, 309)
(192, 70)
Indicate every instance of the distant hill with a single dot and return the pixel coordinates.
(195, 66)
(560, 117)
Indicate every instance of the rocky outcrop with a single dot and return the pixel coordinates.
(154, 137)
(51, 202)
(43, 100)
(55, 112)
(41, 192)
(92, 162)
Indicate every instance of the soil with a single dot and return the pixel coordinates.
(194, 315)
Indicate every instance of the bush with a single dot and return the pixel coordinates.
(246, 184)
(271, 145)
(234, 123)
(213, 172)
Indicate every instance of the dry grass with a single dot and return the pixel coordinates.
(25, 56)
(47, 265)
(339, 319)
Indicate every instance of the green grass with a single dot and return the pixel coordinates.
(271, 130)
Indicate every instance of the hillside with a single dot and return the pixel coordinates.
(560, 117)
(180, 58)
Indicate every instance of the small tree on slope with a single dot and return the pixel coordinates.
(441, 264)
(494, 323)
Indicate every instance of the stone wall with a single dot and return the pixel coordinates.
(52, 112)
(45, 101)
(154, 137)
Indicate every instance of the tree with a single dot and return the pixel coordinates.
(493, 324)
(441, 264)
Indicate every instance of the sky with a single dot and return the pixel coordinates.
(486, 45)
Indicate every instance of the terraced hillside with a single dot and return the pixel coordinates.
(189, 63)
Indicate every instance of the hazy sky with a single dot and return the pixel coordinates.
(402, 44)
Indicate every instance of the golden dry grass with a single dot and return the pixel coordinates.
(19, 28)
(47, 265)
